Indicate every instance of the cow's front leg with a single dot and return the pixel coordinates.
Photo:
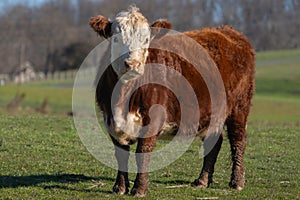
(212, 146)
(143, 153)
(122, 154)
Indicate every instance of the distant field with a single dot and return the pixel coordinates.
(277, 95)
(42, 157)
(59, 94)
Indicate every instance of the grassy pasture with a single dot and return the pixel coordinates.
(42, 157)
(59, 94)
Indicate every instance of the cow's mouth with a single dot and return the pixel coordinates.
(126, 139)
(132, 74)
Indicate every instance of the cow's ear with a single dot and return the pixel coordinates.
(101, 25)
(160, 28)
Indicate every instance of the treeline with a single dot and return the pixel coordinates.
(55, 36)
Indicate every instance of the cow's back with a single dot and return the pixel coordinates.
(234, 56)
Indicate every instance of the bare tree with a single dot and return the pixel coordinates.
(43, 34)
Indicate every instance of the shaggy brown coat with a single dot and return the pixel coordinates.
(234, 57)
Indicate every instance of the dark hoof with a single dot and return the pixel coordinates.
(199, 184)
(236, 186)
(138, 192)
(120, 190)
(237, 182)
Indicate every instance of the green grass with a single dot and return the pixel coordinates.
(42, 157)
(278, 55)
(275, 109)
(277, 97)
(279, 78)
(278, 74)
(59, 94)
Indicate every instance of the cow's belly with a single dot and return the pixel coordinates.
(126, 129)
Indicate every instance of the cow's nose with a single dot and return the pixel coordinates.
(125, 68)
(126, 65)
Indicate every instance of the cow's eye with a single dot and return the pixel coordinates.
(116, 40)
(146, 41)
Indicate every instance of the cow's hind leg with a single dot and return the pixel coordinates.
(143, 153)
(212, 146)
(236, 127)
(122, 155)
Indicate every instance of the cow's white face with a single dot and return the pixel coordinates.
(130, 35)
(129, 44)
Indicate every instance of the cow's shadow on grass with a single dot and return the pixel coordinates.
(69, 181)
(59, 181)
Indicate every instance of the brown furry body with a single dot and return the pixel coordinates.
(234, 58)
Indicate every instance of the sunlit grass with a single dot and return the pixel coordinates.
(277, 55)
(278, 109)
(43, 157)
(59, 97)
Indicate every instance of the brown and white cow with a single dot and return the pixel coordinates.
(131, 53)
